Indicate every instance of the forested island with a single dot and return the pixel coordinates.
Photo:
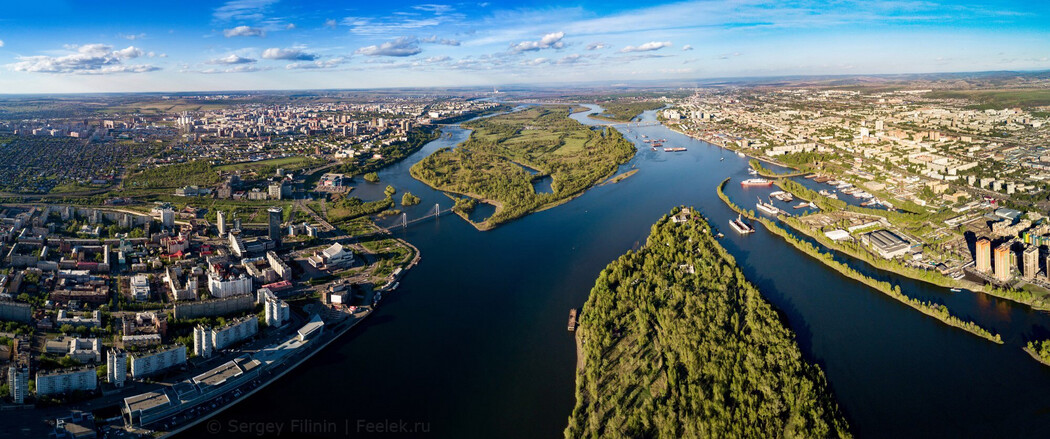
(506, 154)
(625, 111)
(677, 343)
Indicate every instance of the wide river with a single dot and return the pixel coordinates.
(473, 343)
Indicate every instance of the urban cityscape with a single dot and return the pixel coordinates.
(269, 218)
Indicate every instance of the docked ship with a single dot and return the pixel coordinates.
(740, 154)
(768, 208)
(740, 226)
(676, 149)
(783, 196)
(572, 319)
(756, 182)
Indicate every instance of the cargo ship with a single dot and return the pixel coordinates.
(740, 226)
(767, 208)
(676, 149)
(756, 182)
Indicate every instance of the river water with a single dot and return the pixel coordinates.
(473, 343)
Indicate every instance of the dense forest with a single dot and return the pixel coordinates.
(507, 153)
(677, 343)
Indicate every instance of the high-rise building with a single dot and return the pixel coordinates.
(983, 256)
(18, 382)
(202, 341)
(221, 220)
(1002, 262)
(167, 217)
(276, 215)
(1030, 261)
(117, 367)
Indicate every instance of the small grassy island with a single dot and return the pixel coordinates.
(618, 111)
(494, 165)
(677, 343)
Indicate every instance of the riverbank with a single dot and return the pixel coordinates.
(766, 172)
(938, 311)
(930, 277)
(619, 177)
(283, 371)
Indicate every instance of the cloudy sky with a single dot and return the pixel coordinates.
(86, 46)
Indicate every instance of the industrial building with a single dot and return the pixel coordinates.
(886, 243)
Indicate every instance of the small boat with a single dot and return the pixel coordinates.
(752, 171)
(803, 205)
(721, 159)
(740, 154)
(955, 290)
(756, 182)
(740, 226)
(677, 149)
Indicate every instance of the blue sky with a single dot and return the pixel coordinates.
(88, 46)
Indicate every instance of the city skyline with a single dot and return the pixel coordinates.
(60, 47)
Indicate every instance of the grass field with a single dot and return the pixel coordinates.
(288, 163)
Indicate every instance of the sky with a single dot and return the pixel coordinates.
(53, 46)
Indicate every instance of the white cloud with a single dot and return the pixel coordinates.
(401, 46)
(230, 60)
(597, 46)
(86, 59)
(242, 68)
(436, 9)
(436, 59)
(433, 39)
(330, 23)
(133, 37)
(291, 54)
(550, 41)
(647, 47)
(570, 59)
(244, 31)
(318, 64)
(687, 47)
(535, 61)
(242, 10)
(290, 26)
(1, 43)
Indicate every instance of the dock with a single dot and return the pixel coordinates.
(572, 320)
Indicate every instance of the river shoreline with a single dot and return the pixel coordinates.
(923, 307)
